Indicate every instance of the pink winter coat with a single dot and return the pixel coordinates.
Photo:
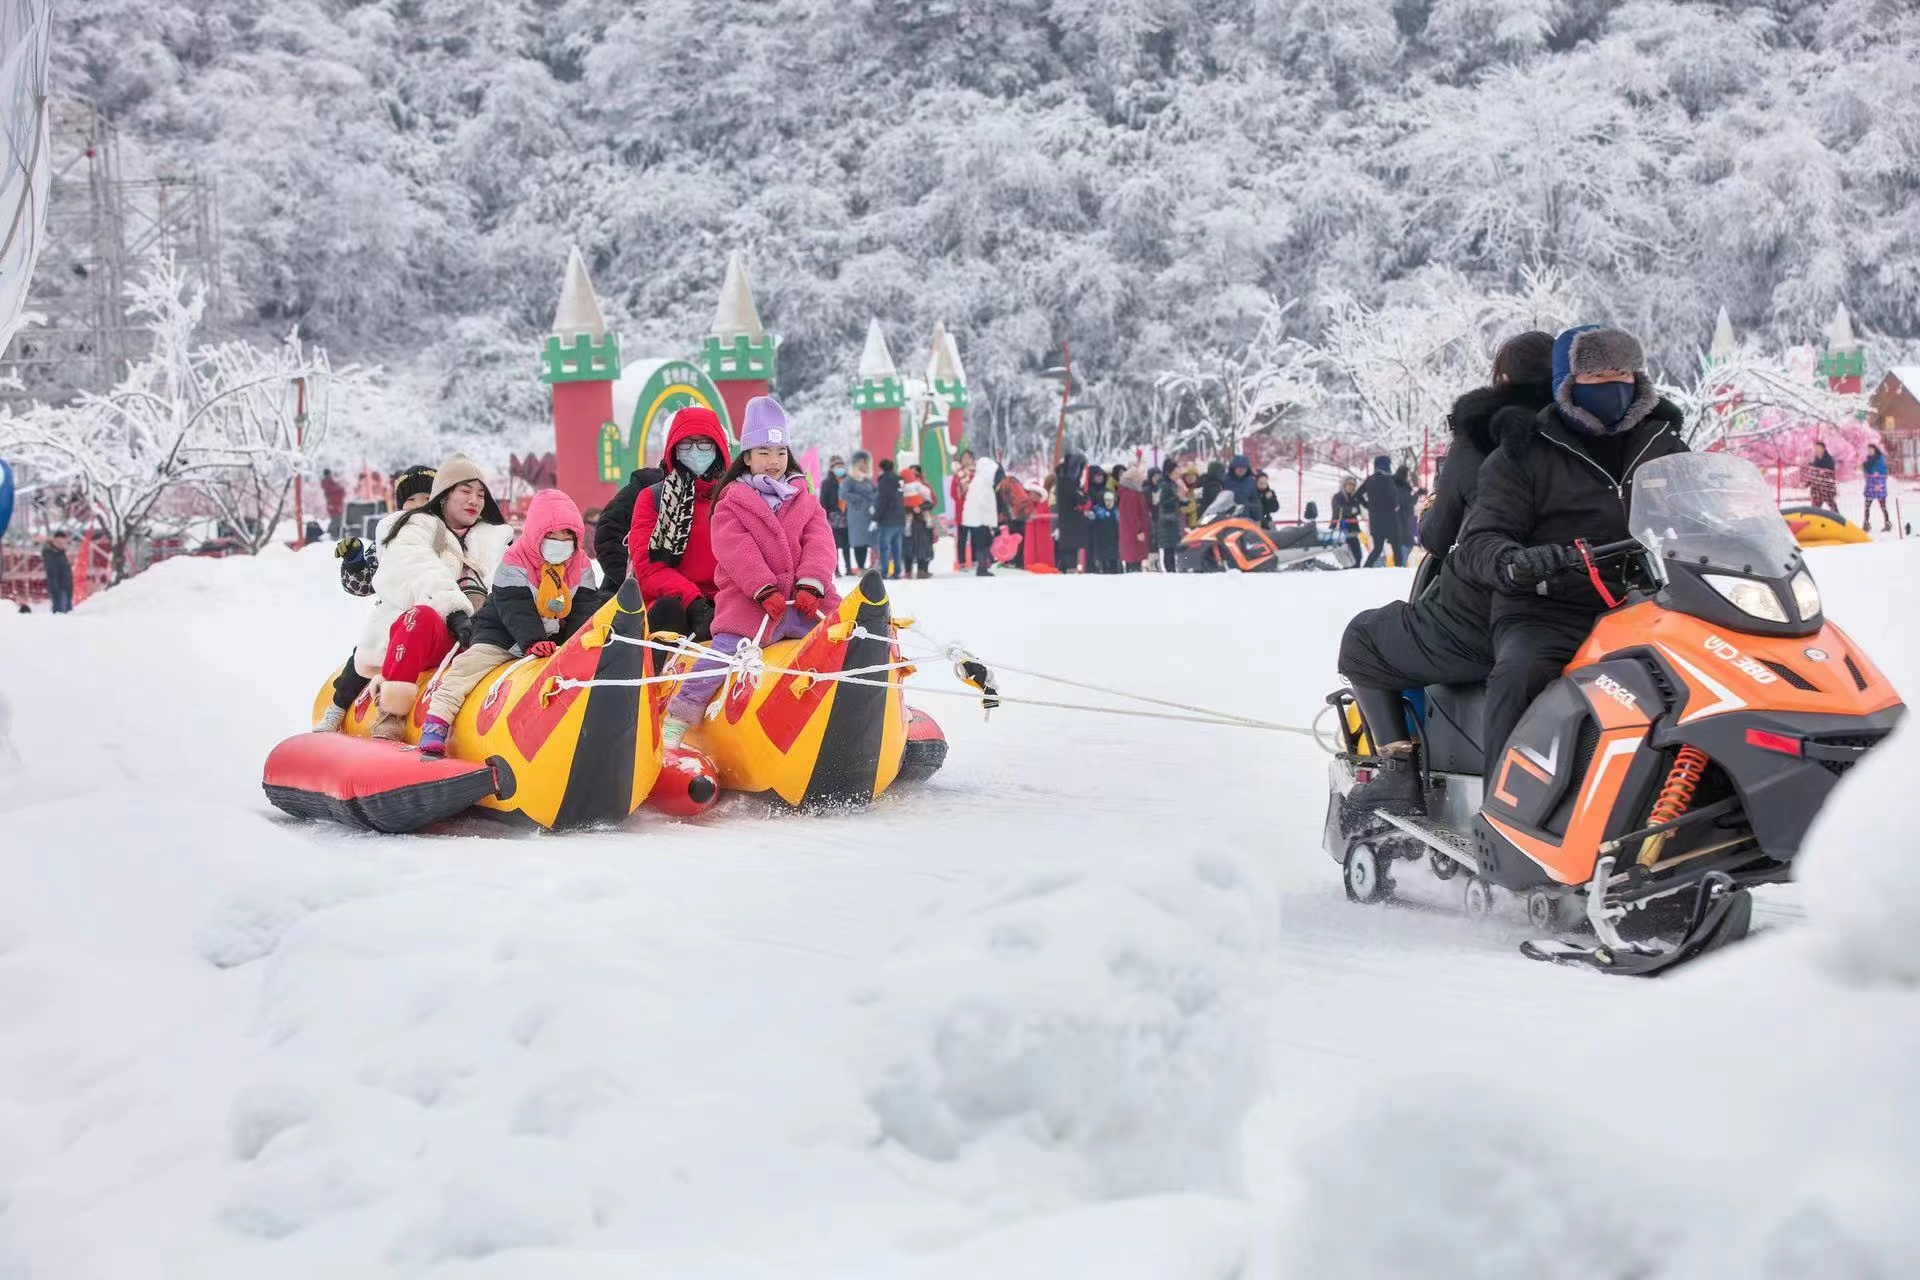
(756, 548)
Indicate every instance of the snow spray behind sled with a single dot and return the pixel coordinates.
(1679, 761)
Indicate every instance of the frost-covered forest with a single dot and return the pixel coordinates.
(1155, 180)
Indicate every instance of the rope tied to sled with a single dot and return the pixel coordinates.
(749, 662)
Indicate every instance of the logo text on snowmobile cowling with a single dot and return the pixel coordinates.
(1617, 691)
(1755, 671)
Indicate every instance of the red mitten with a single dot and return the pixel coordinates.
(807, 601)
(540, 649)
(775, 606)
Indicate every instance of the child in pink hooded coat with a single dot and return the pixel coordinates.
(539, 600)
(774, 554)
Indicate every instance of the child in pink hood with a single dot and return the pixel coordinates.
(774, 556)
(536, 605)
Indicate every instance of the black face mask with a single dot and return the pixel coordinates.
(1608, 402)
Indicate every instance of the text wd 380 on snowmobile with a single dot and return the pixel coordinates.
(1680, 759)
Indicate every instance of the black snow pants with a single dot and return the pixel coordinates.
(1409, 646)
(1531, 647)
(348, 685)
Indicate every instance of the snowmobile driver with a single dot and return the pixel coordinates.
(1569, 477)
(1442, 637)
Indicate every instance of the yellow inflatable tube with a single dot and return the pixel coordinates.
(1820, 527)
(565, 757)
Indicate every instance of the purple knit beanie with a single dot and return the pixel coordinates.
(765, 426)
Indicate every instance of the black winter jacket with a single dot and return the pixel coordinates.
(1543, 487)
(610, 530)
(58, 568)
(510, 619)
(1473, 439)
(889, 508)
(1381, 497)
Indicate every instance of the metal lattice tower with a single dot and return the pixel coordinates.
(101, 226)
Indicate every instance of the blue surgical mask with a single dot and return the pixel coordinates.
(697, 456)
(556, 550)
(1606, 401)
(840, 471)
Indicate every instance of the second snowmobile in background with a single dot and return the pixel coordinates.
(1678, 762)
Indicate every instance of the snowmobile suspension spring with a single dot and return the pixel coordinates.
(1682, 781)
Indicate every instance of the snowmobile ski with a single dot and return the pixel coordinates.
(1721, 914)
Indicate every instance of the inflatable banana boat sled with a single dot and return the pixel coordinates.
(1820, 527)
(573, 740)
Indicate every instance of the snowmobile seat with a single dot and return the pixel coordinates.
(1456, 718)
(1299, 535)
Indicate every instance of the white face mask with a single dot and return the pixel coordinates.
(556, 550)
(696, 457)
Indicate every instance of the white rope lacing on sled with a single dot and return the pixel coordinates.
(748, 662)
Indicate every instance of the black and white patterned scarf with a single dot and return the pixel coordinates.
(674, 526)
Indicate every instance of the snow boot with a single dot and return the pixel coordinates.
(1394, 788)
(332, 720)
(433, 736)
(671, 731)
(389, 729)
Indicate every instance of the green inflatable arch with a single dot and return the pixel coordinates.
(643, 400)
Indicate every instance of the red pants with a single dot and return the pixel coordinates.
(416, 642)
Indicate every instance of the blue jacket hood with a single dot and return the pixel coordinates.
(1241, 460)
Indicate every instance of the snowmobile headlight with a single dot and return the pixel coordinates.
(1748, 596)
(1806, 596)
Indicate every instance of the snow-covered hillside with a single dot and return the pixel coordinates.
(1091, 1003)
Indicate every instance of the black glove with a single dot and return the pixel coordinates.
(667, 614)
(700, 619)
(348, 549)
(461, 625)
(1531, 566)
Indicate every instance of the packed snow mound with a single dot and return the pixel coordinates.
(1862, 871)
(189, 584)
(1444, 1178)
(1099, 1032)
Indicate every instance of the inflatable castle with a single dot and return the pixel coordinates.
(610, 416)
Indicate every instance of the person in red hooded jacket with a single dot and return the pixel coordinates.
(671, 546)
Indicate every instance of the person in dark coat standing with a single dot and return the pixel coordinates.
(1408, 505)
(1443, 637)
(1266, 501)
(1873, 470)
(1343, 514)
(616, 519)
(836, 516)
(59, 570)
(1169, 519)
(1381, 497)
(1211, 484)
(889, 522)
(1070, 512)
(1570, 477)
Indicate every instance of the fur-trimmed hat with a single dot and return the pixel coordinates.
(1593, 348)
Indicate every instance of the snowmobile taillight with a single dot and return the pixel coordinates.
(1785, 744)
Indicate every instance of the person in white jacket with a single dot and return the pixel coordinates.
(980, 514)
(436, 567)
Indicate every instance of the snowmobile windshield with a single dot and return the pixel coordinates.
(1713, 510)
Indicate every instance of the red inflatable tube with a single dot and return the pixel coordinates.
(688, 784)
(926, 747)
(375, 785)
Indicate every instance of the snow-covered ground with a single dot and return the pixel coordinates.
(1090, 1003)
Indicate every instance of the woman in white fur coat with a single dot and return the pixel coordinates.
(436, 567)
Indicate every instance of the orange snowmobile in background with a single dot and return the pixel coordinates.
(1678, 762)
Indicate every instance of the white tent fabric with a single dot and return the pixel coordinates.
(24, 34)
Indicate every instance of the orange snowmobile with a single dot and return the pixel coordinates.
(1678, 762)
(1228, 538)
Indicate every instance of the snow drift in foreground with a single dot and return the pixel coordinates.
(1091, 1003)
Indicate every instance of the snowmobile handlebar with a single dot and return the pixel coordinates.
(1607, 550)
